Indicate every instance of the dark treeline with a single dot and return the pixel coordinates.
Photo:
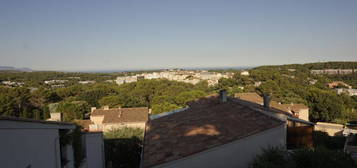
(286, 83)
(75, 101)
(320, 65)
(295, 84)
(37, 78)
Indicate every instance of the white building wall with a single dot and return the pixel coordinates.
(94, 150)
(237, 154)
(35, 148)
(330, 128)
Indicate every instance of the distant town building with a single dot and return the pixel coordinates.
(350, 92)
(257, 84)
(110, 81)
(57, 86)
(50, 82)
(312, 81)
(244, 73)
(12, 84)
(86, 82)
(336, 84)
(288, 76)
(192, 77)
(126, 79)
(74, 77)
(317, 72)
(212, 132)
(333, 71)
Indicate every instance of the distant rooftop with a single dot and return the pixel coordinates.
(255, 98)
(117, 115)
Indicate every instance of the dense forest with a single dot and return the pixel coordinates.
(286, 83)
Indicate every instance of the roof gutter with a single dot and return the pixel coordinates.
(300, 120)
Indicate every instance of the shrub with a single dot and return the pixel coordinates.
(123, 147)
(273, 157)
(321, 157)
(354, 140)
(322, 139)
(125, 132)
(123, 152)
(302, 158)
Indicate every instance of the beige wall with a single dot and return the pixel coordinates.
(330, 128)
(55, 117)
(111, 126)
(108, 127)
(237, 154)
(95, 127)
(97, 119)
(304, 114)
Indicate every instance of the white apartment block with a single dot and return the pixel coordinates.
(192, 77)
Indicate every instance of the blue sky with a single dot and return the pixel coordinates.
(118, 34)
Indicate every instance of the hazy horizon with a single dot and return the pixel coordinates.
(126, 35)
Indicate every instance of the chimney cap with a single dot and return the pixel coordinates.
(92, 109)
(266, 98)
(223, 95)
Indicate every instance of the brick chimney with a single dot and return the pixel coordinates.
(266, 98)
(223, 95)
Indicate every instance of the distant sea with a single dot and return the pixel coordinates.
(135, 70)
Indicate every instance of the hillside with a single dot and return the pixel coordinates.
(9, 68)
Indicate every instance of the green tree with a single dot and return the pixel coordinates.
(16, 102)
(187, 96)
(111, 101)
(7, 106)
(164, 107)
(302, 158)
(92, 96)
(123, 147)
(124, 132)
(269, 87)
(73, 110)
(324, 105)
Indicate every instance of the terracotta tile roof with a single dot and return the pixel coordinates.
(298, 107)
(252, 97)
(207, 123)
(284, 108)
(116, 115)
(278, 106)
